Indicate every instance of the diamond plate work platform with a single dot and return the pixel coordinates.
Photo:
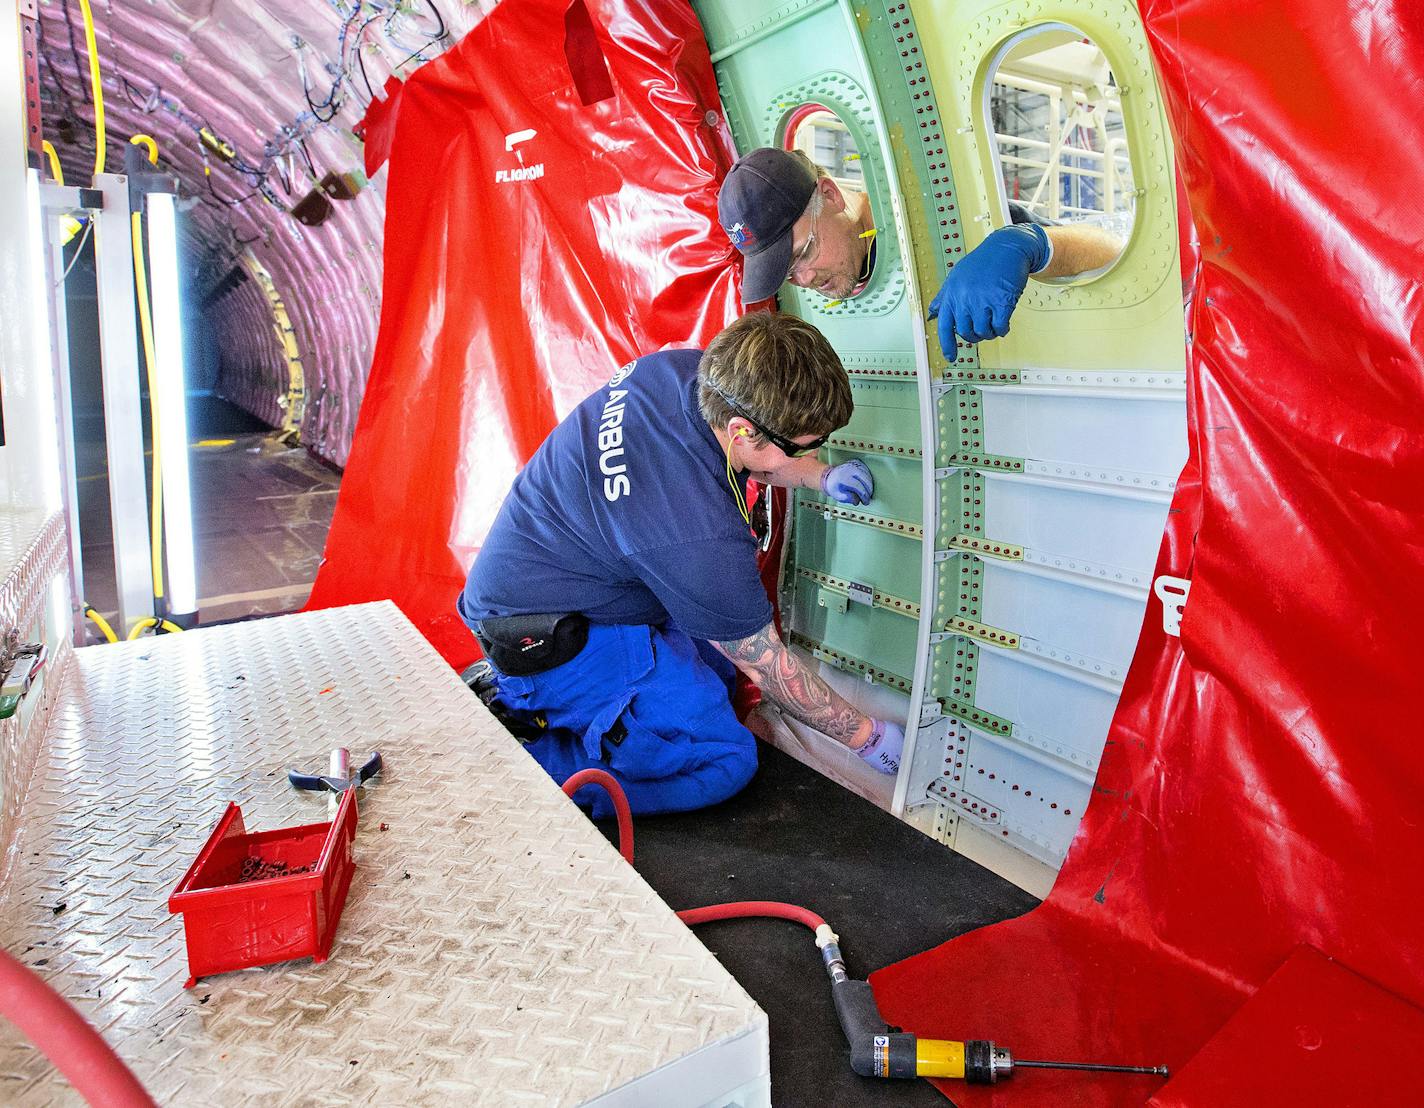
(495, 949)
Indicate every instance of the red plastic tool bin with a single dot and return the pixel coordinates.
(254, 899)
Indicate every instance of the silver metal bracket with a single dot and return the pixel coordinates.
(860, 593)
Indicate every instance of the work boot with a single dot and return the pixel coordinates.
(527, 727)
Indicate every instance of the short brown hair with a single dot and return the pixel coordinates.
(780, 371)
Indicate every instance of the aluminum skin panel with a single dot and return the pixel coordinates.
(1061, 621)
(1139, 444)
(1025, 801)
(1101, 537)
(495, 949)
(1050, 707)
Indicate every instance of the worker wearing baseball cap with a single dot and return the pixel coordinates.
(794, 223)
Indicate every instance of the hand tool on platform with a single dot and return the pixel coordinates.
(338, 777)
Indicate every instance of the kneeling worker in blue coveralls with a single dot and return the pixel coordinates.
(618, 586)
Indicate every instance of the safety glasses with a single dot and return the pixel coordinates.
(806, 253)
(788, 447)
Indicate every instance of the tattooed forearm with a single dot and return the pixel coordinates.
(795, 689)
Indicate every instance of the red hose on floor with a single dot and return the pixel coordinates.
(620, 804)
(62, 1035)
(741, 909)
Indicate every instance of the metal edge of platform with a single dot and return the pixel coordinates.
(32, 549)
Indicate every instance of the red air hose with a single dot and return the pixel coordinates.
(741, 909)
(620, 804)
(62, 1035)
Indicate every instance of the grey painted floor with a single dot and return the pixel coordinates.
(261, 511)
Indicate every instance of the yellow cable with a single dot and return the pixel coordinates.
(146, 322)
(736, 491)
(101, 623)
(100, 139)
(55, 170)
(146, 140)
(162, 624)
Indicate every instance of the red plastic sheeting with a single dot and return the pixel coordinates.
(1263, 784)
(1313, 1026)
(377, 129)
(539, 234)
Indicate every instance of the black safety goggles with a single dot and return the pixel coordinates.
(787, 446)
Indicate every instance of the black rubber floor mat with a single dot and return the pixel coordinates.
(888, 891)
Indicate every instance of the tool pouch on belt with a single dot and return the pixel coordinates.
(521, 646)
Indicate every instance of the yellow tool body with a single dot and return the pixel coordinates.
(939, 1058)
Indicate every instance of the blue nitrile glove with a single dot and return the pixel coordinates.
(850, 482)
(980, 292)
(882, 749)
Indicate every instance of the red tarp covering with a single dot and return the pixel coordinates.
(1263, 784)
(551, 214)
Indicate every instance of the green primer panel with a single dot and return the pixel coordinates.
(888, 562)
(770, 61)
(872, 634)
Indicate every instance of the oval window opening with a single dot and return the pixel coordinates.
(842, 264)
(820, 134)
(1060, 143)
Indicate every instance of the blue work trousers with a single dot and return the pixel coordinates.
(651, 706)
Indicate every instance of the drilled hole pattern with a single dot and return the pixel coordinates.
(880, 599)
(884, 523)
(980, 718)
(989, 547)
(973, 628)
(874, 447)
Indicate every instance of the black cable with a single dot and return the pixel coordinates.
(306, 155)
(53, 69)
(207, 176)
(416, 54)
(361, 63)
(79, 68)
(443, 33)
(439, 19)
(315, 111)
(341, 72)
(129, 91)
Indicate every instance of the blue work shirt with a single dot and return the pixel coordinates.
(625, 514)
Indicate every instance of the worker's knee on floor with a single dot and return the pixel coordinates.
(734, 772)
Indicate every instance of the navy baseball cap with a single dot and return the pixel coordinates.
(763, 196)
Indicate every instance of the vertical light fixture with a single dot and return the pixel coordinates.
(38, 379)
(172, 405)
